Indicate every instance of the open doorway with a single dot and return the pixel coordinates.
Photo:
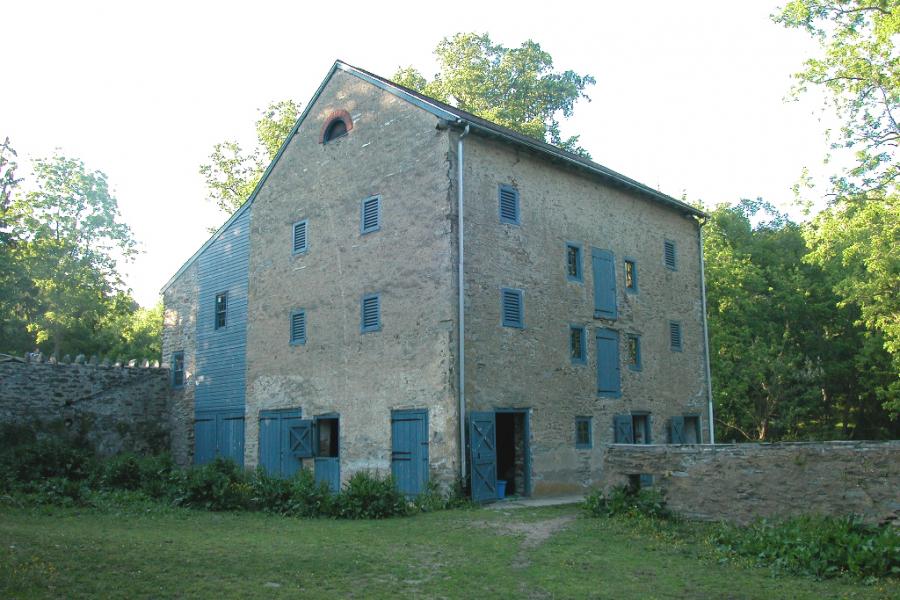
(513, 464)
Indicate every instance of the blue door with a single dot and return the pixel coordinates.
(409, 450)
(219, 434)
(483, 456)
(275, 453)
(328, 462)
(604, 284)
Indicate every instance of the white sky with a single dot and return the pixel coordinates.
(689, 95)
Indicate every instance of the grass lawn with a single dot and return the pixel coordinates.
(154, 552)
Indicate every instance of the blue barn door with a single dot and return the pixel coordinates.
(219, 434)
(327, 451)
(409, 450)
(483, 456)
(604, 284)
(275, 453)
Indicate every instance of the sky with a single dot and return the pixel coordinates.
(690, 96)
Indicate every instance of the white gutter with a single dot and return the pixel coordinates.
(709, 396)
(461, 317)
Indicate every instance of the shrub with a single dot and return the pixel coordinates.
(627, 501)
(370, 496)
(44, 459)
(432, 499)
(820, 546)
(219, 485)
(59, 491)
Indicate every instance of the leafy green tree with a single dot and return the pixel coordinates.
(232, 172)
(514, 87)
(13, 285)
(856, 239)
(70, 236)
(859, 68)
(789, 362)
(128, 330)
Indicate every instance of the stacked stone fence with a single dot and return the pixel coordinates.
(743, 482)
(112, 406)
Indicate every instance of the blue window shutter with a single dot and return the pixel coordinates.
(676, 430)
(608, 377)
(512, 307)
(370, 313)
(604, 284)
(370, 215)
(675, 336)
(624, 434)
(298, 327)
(301, 442)
(670, 255)
(510, 210)
(301, 237)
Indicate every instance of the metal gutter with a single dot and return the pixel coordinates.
(709, 395)
(461, 316)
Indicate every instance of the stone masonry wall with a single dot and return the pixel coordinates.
(742, 482)
(530, 368)
(180, 334)
(393, 150)
(116, 408)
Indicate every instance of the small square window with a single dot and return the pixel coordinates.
(509, 205)
(634, 352)
(178, 369)
(583, 434)
(301, 237)
(573, 263)
(577, 345)
(670, 255)
(370, 313)
(512, 308)
(675, 340)
(298, 327)
(221, 309)
(640, 426)
(631, 277)
(370, 215)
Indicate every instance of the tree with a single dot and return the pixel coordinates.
(70, 234)
(513, 87)
(859, 69)
(232, 174)
(856, 238)
(789, 360)
(13, 284)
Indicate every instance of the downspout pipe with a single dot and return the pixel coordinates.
(461, 317)
(709, 395)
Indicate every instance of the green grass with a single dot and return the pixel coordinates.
(146, 551)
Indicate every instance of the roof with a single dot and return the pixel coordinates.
(456, 116)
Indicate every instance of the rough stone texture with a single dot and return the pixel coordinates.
(116, 409)
(742, 482)
(392, 150)
(530, 368)
(180, 334)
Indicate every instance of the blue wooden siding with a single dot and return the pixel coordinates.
(221, 353)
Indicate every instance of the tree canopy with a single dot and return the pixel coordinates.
(514, 87)
(232, 173)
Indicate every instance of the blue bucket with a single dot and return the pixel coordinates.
(501, 489)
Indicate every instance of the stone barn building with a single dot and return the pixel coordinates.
(415, 290)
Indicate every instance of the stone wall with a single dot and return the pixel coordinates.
(394, 151)
(742, 482)
(116, 408)
(530, 368)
